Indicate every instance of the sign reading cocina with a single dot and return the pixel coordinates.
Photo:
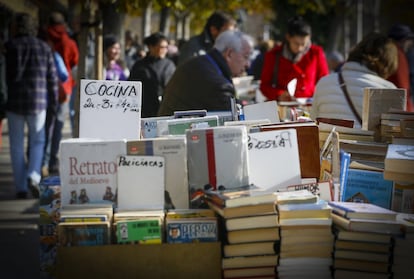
(110, 109)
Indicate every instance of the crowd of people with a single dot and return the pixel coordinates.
(37, 77)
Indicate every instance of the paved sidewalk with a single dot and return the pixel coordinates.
(19, 234)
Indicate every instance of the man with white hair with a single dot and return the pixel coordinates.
(205, 82)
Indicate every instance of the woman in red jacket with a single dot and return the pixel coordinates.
(296, 58)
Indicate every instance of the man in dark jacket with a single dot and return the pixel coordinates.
(205, 82)
(202, 43)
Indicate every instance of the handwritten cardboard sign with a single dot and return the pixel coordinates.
(110, 109)
(274, 159)
(141, 182)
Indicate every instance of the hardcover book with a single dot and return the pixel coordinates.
(251, 222)
(368, 187)
(241, 196)
(174, 151)
(368, 225)
(319, 209)
(141, 182)
(251, 261)
(251, 249)
(296, 197)
(245, 210)
(342, 233)
(362, 210)
(264, 170)
(88, 170)
(308, 145)
(399, 158)
(253, 272)
(218, 157)
(253, 235)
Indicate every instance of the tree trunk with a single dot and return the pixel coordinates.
(165, 21)
(146, 21)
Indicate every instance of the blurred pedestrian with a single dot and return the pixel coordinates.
(296, 58)
(369, 64)
(57, 33)
(154, 71)
(402, 36)
(205, 82)
(32, 87)
(114, 67)
(200, 44)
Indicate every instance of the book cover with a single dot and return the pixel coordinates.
(368, 187)
(141, 182)
(174, 150)
(217, 157)
(147, 230)
(308, 145)
(362, 210)
(192, 230)
(253, 235)
(251, 222)
(110, 109)
(251, 249)
(178, 126)
(88, 170)
(380, 100)
(345, 160)
(264, 170)
(84, 233)
(403, 197)
(84, 218)
(399, 158)
(149, 126)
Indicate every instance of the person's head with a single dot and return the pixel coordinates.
(56, 18)
(157, 45)
(219, 22)
(402, 34)
(236, 48)
(334, 59)
(24, 25)
(112, 48)
(378, 53)
(298, 35)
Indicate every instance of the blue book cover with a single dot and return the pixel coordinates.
(187, 231)
(345, 160)
(369, 187)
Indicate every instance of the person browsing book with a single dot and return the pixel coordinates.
(369, 63)
(205, 82)
(296, 58)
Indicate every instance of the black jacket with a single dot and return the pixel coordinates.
(203, 82)
(154, 73)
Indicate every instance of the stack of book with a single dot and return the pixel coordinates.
(305, 235)
(250, 231)
(403, 248)
(363, 239)
(396, 124)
